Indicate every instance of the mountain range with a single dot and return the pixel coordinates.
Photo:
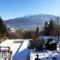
(30, 22)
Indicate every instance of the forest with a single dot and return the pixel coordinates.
(51, 28)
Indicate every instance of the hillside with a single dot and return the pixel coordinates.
(30, 22)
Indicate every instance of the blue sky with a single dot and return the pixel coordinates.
(18, 8)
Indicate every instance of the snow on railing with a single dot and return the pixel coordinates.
(5, 53)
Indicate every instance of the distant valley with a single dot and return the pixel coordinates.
(30, 22)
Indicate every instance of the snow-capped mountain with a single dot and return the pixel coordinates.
(30, 22)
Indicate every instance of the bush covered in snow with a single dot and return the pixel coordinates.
(41, 44)
(51, 44)
(36, 44)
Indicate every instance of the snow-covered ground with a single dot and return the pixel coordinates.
(18, 48)
(21, 52)
(10, 43)
(45, 55)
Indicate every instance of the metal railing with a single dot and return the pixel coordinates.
(5, 53)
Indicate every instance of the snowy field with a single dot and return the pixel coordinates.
(18, 48)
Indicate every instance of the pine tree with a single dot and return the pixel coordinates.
(3, 29)
(37, 32)
(46, 28)
(51, 27)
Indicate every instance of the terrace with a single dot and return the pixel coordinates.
(18, 48)
(21, 52)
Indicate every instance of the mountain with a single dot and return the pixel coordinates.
(29, 22)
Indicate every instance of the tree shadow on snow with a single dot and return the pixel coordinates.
(22, 55)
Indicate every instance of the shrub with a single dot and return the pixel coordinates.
(36, 44)
(51, 44)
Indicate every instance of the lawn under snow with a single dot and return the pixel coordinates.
(18, 48)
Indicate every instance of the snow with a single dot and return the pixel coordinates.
(52, 42)
(25, 44)
(10, 43)
(44, 55)
(18, 47)
(21, 52)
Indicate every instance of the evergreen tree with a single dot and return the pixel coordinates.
(29, 34)
(37, 32)
(3, 29)
(1, 25)
(46, 28)
(51, 44)
(51, 27)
